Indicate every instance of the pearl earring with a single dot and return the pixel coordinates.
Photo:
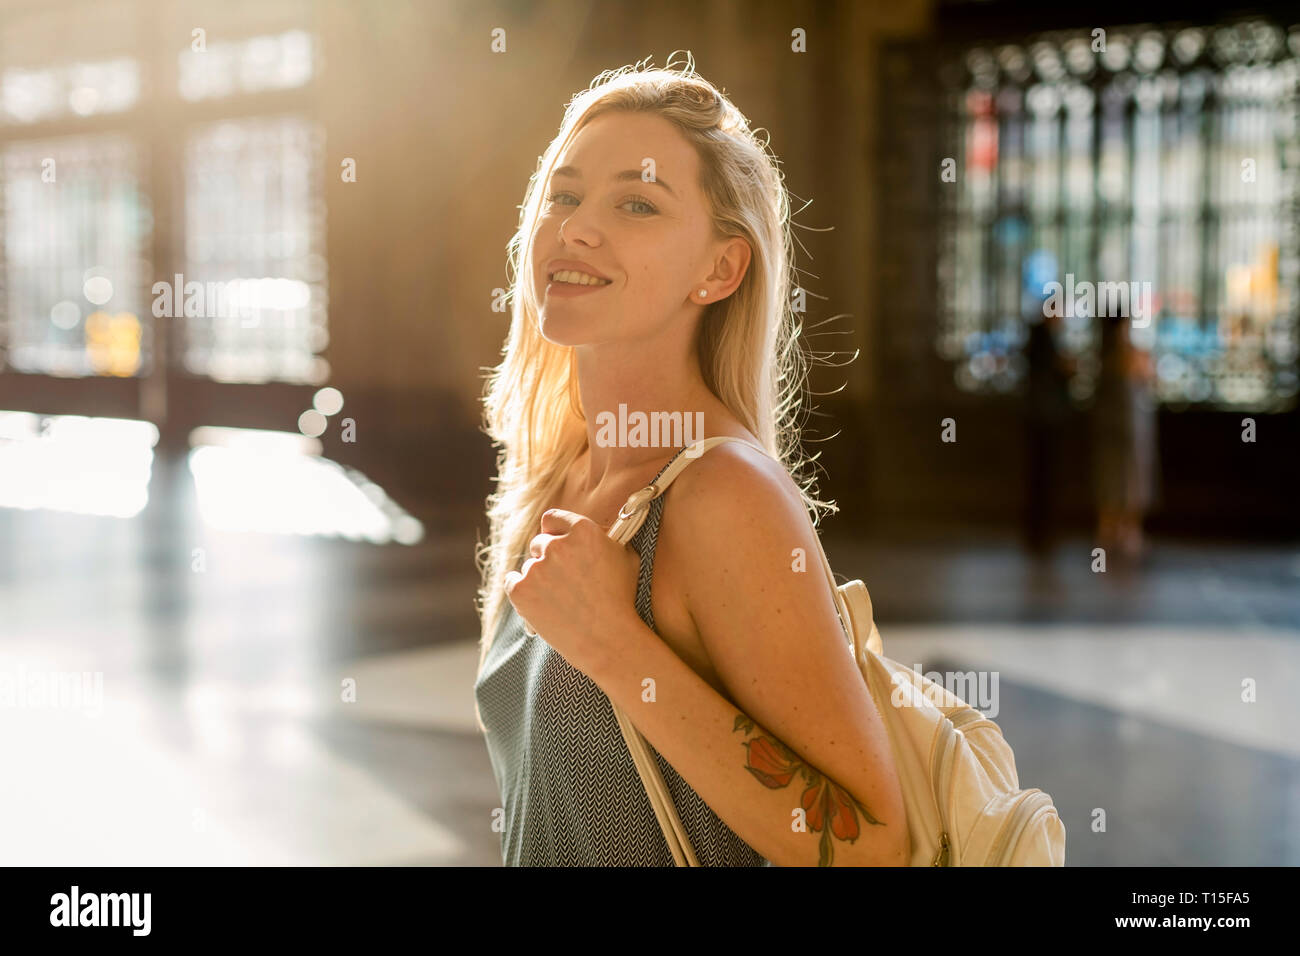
(703, 293)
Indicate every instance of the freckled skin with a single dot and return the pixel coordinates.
(829, 807)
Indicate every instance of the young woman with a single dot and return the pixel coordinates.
(651, 270)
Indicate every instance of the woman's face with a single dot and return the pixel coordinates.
(652, 240)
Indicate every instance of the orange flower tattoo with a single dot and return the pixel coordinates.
(829, 808)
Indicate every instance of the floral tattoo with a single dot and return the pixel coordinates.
(828, 807)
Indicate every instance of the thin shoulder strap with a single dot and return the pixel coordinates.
(634, 510)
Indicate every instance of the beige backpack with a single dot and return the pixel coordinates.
(958, 775)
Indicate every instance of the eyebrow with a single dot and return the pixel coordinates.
(625, 176)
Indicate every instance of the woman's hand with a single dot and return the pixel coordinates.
(577, 589)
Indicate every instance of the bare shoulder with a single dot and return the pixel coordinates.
(733, 481)
(747, 552)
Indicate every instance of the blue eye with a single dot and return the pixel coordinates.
(650, 209)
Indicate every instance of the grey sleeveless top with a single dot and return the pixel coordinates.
(569, 788)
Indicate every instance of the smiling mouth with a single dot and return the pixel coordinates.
(588, 281)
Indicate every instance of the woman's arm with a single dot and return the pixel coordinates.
(749, 777)
(800, 768)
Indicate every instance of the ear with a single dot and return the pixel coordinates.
(730, 263)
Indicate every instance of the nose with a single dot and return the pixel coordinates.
(578, 227)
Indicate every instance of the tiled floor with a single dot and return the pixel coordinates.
(224, 738)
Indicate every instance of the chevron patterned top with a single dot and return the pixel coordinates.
(569, 788)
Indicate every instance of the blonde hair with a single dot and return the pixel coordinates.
(747, 344)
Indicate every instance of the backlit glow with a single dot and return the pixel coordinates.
(98, 466)
(265, 482)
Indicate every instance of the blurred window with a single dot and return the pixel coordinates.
(76, 231)
(78, 89)
(277, 62)
(95, 118)
(254, 231)
(1169, 157)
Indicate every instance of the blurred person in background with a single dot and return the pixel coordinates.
(1046, 408)
(1124, 459)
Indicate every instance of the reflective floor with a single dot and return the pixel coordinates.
(175, 694)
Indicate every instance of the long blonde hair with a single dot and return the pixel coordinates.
(747, 346)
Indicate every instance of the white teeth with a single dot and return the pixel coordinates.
(578, 278)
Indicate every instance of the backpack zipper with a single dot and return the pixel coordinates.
(939, 774)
